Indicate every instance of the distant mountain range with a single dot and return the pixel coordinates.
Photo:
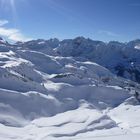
(123, 59)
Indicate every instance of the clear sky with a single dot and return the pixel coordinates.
(97, 19)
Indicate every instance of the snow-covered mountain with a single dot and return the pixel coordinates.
(120, 58)
(71, 89)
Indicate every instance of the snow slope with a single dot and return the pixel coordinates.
(65, 90)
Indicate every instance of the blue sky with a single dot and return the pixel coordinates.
(97, 19)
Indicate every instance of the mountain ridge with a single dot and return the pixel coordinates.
(121, 58)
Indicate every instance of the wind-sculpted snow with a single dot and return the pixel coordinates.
(32, 105)
(65, 90)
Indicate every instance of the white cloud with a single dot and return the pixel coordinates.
(11, 33)
(108, 33)
(18, 37)
(3, 22)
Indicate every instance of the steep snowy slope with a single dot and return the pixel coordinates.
(63, 90)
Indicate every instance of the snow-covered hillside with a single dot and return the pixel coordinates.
(120, 58)
(69, 90)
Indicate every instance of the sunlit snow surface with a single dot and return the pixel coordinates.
(45, 96)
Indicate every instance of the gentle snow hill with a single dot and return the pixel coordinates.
(65, 90)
